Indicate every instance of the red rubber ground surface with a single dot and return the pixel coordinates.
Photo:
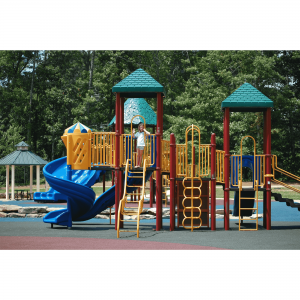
(69, 243)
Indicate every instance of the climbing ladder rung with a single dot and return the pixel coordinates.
(133, 201)
(244, 198)
(137, 194)
(135, 176)
(192, 208)
(190, 227)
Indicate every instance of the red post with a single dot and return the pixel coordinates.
(172, 180)
(159, 133)
(226, 167)
(117, 159)
(122, 115)
(121, 175)
(267, 206)
(213, 182)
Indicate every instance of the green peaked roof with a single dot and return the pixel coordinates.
(22, 158)
(247, 98)
(138, 82)
(137, 106)
(22, 144)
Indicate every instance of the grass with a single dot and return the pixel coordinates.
(99, 190)
(286, 193)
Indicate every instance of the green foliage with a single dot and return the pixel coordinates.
(196, 83)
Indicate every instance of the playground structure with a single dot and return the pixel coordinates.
(192, 167)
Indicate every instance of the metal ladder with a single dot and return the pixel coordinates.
(190, 208)
(125, 206)
(248, 198)
(257, 183)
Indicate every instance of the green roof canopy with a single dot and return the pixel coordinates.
(22, 144)
(22, 158)
(247, 98)
(138, 84)
(137, 106)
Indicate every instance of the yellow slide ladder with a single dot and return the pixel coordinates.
(248, 198)
(126, 207)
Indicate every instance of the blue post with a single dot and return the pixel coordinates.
(69, 172)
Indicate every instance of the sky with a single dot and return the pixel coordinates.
(154, 25)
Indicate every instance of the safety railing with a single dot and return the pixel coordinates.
(283, 172)
(201, 166)
(128, 150)
(102, 147)
(220, 158)
(204, 160)
(165, 156)
(180, 160)
(258, 170)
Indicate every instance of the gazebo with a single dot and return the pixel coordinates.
(21, 157)
(137, 106)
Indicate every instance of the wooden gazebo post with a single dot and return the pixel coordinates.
(7, 182)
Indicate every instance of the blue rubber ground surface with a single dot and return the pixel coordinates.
(279, 212)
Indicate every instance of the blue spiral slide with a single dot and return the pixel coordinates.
(81, 203)
(84, 177)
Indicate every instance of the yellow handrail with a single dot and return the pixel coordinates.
(277, 169)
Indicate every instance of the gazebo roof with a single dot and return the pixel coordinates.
(138, 84)
(22, 144)
(137, 106)
(22, 158)
(247, 98)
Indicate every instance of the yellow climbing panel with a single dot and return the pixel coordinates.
(78, 150)
(128, 207)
